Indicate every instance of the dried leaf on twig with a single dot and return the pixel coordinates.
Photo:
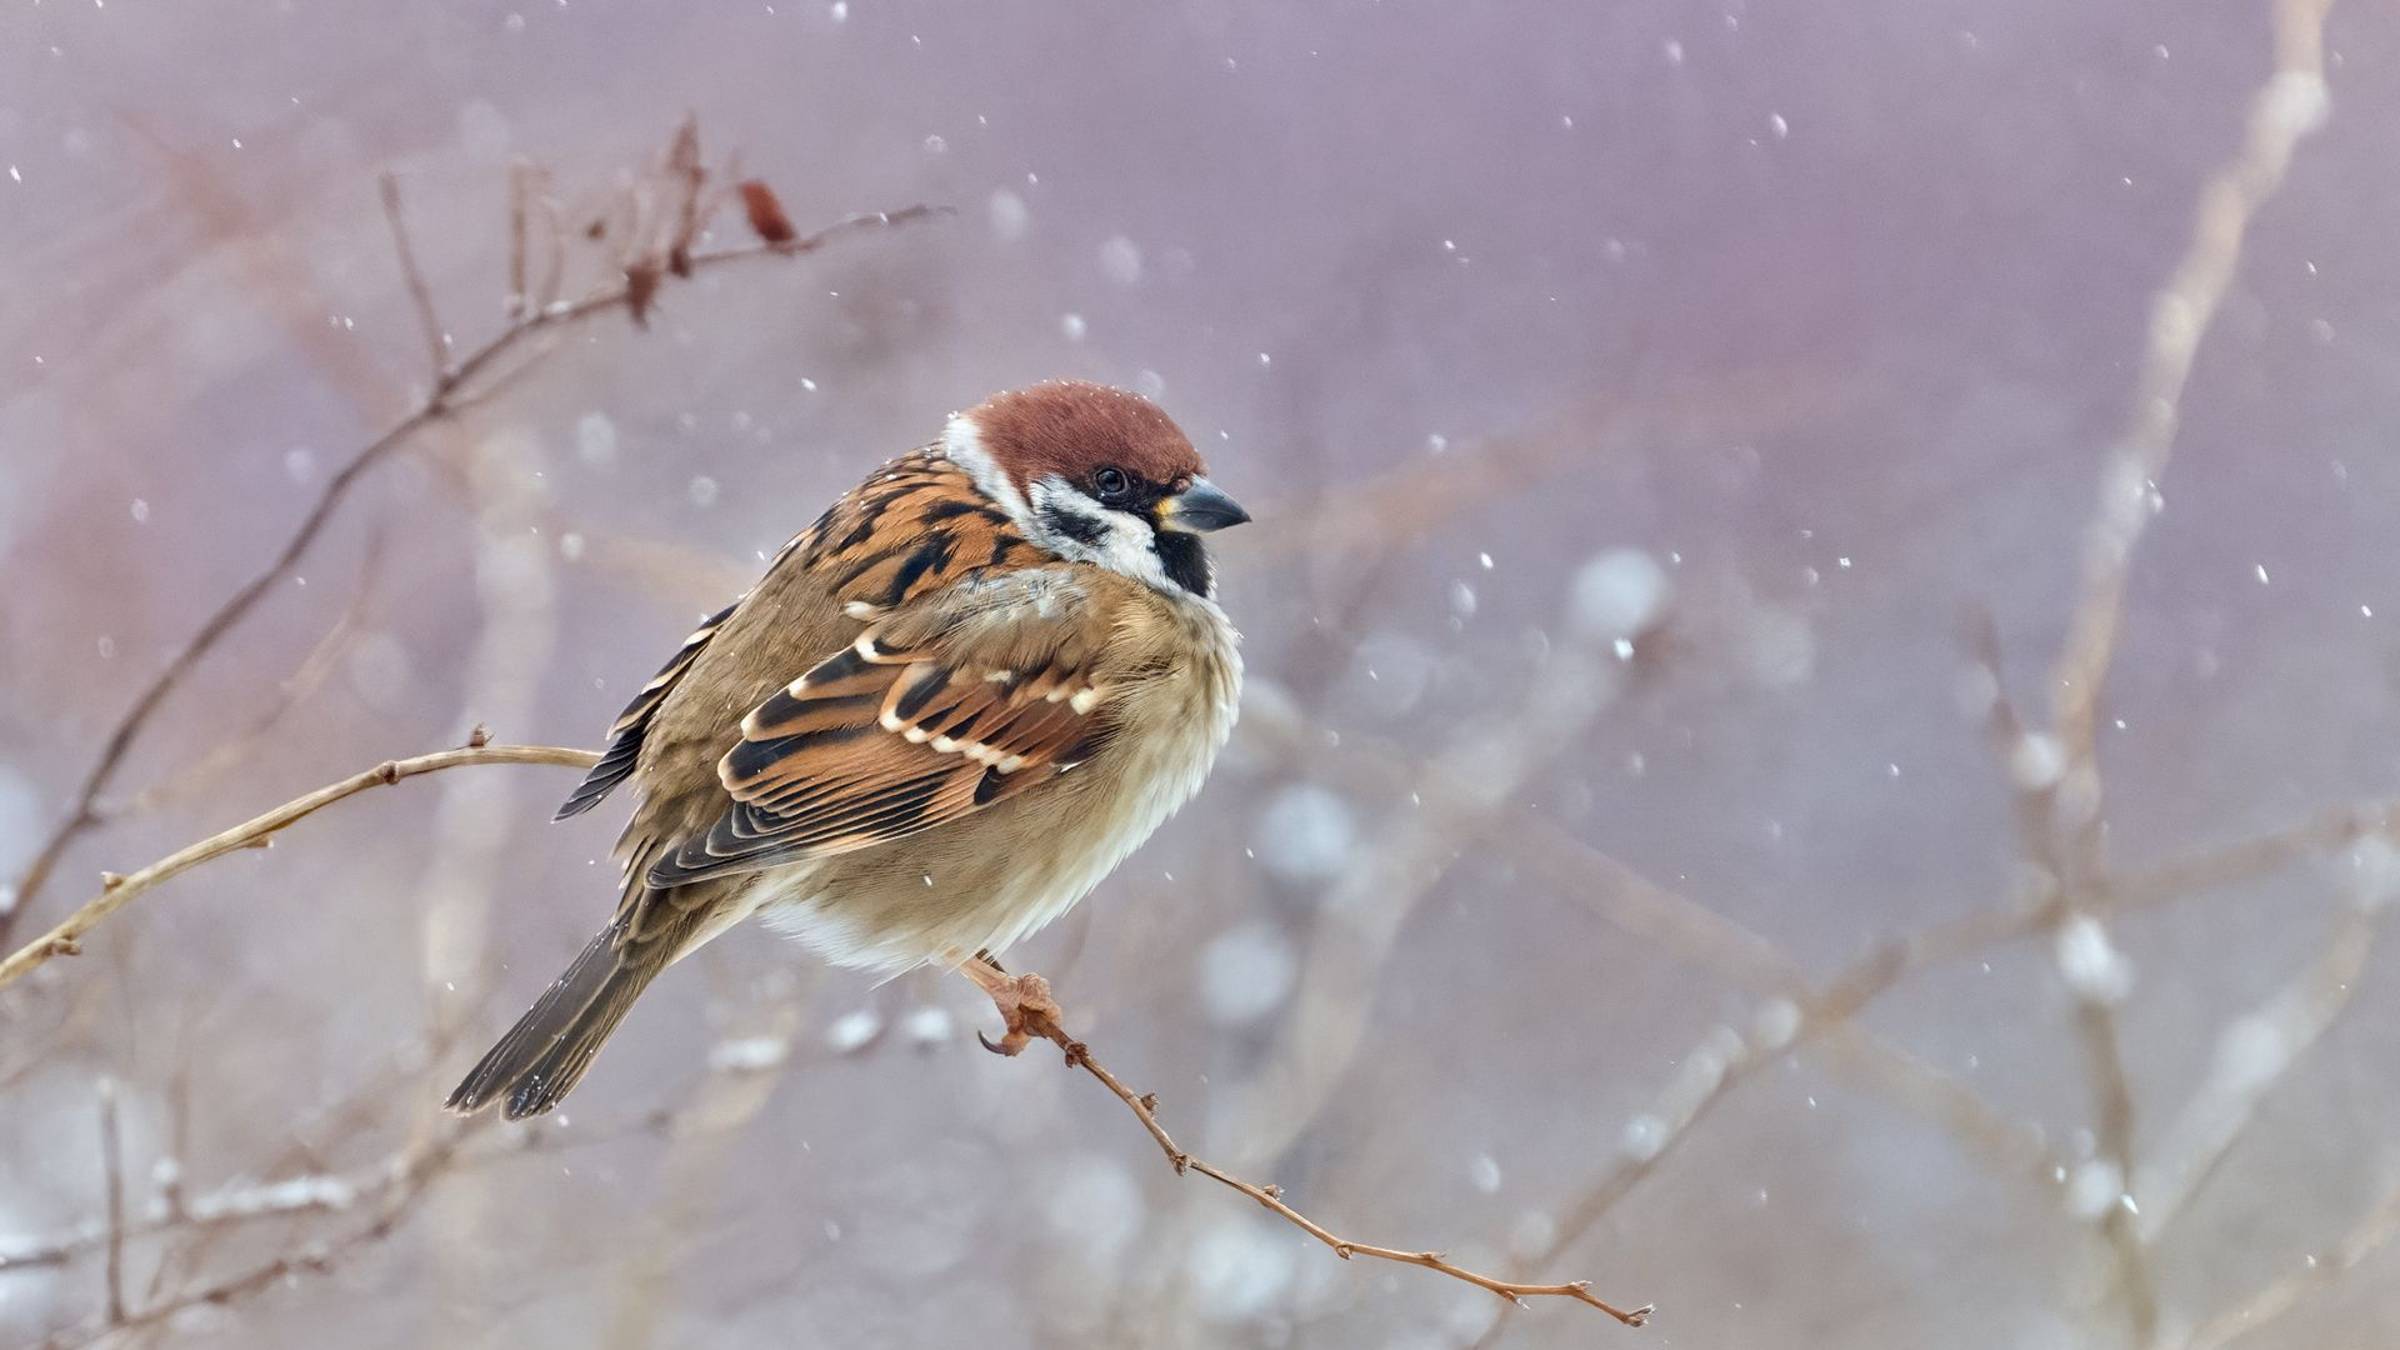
(765, 212)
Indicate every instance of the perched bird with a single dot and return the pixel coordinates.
(951, 706)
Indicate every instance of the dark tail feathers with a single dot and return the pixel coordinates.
(545, 1054)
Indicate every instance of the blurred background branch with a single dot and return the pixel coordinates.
(454, 386)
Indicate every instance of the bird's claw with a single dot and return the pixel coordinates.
(1026, 1008)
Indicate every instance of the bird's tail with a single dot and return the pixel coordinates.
(545, 1054)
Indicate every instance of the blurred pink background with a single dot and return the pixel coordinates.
(1766, 339)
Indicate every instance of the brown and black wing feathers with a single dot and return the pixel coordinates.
(915, 527)
(941, 708)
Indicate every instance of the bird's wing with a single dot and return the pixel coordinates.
(625, 735)
(975, 692)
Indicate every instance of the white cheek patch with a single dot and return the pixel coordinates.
(1112, 539)
(963, 445)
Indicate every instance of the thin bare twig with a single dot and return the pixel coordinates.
(112, 1163)
(519, 188)
(1145, 1109)
(554, 270)
(447, 397)
(118, 891)
(420, 296)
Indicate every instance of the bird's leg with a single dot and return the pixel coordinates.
(1023, 1000)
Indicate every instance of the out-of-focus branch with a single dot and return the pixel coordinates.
(1694, 933)
(2291, 104)
(2092, 966)
(2258, 1049)
(2247, 859)
(2066, 878)
(420, 296)
(1702, 1077)
(1476, 778)
(744, 1074)
(386, 1192)
(412, 1173)
(2058, 793)
(316, 666)
(1689, 931)
(1269, 1197)
(248, 1202)
(1726, 1057)
(345, 1191)
(112, 1161)
(515, 628)
(118, 891)
(1421, 493)
(455, 387)
(2371, 1234)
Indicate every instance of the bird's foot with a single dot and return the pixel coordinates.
(1026, 1007)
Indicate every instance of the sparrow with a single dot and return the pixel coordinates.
(949, 708)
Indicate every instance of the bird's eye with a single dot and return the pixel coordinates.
(1112, 484)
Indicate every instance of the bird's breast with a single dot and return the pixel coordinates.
(990, 879)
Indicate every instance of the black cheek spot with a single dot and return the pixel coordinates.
(1074, 525)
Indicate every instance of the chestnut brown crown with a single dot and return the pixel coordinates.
(1074, 428)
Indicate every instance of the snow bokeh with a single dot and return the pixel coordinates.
(1246, 973)
(2090, 963)
(1304, 834)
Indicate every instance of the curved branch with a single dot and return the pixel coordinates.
(1145, 1109)
(118, 891)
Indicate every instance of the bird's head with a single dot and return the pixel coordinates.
(1096, 474)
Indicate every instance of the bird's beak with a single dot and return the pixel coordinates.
(1199, 509)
